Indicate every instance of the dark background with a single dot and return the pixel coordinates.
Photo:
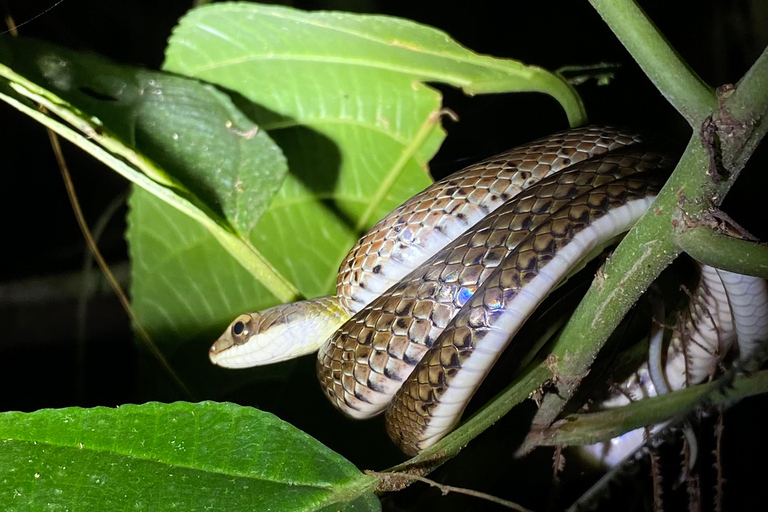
(53, 354)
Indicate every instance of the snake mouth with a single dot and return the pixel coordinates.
(217, 349)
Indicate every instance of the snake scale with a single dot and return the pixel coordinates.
(428, 299)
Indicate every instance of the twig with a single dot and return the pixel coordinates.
(72, 195)
(724, 252)
(719, 462)
(103, 264)
(398, 481)
(88, 288)
(658, 498)
(589, 428)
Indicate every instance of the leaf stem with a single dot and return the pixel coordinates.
(679, 84)
(547, 82)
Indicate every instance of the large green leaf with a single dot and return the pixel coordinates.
(192, 134)
(179, 456)
(344, 96)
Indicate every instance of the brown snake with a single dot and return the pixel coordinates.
(428, 299)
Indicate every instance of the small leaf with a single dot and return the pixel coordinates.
(179, 456)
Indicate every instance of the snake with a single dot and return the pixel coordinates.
(428, 299)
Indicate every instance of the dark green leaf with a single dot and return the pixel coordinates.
(193, 132)
(179, 456)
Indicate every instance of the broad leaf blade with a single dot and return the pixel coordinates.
(343, 95)
(177, 456)
(196, 283)
(194, 135)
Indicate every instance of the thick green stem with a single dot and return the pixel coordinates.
(682, 87)
(641, 256)
(721, 251)
(694, 187)
(577, 429)
(744, 113)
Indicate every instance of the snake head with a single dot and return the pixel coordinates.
(239, 332)
(277, 334)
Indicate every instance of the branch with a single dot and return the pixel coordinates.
(725, 252)
(439, 453)
(745, 109)
(646, 250)
(396, 481)
(716, 153)
(750, 97)
(679, 84)
(580, 429)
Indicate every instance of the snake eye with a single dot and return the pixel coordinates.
(242, 328)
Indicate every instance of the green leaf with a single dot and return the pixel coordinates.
(194, 136)
(196, 284)
(179, 456)
(344, 96)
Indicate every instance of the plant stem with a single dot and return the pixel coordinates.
(578, 429)
(694, 187)
(646, 250)
(451, 444)
(745, 109)
(682, 87)
(725, 252)
(751, 94)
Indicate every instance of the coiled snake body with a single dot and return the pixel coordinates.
(433, 293)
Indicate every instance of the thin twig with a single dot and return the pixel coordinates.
(103, 264)
(658, 498)
(558, 464)
(72, 195)
(88, 288)
(719, 461)
(403, 479)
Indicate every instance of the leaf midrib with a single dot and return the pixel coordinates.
(420, 74)
(330, 487)
(487, 61)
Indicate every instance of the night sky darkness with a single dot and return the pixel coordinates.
(42, 244)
